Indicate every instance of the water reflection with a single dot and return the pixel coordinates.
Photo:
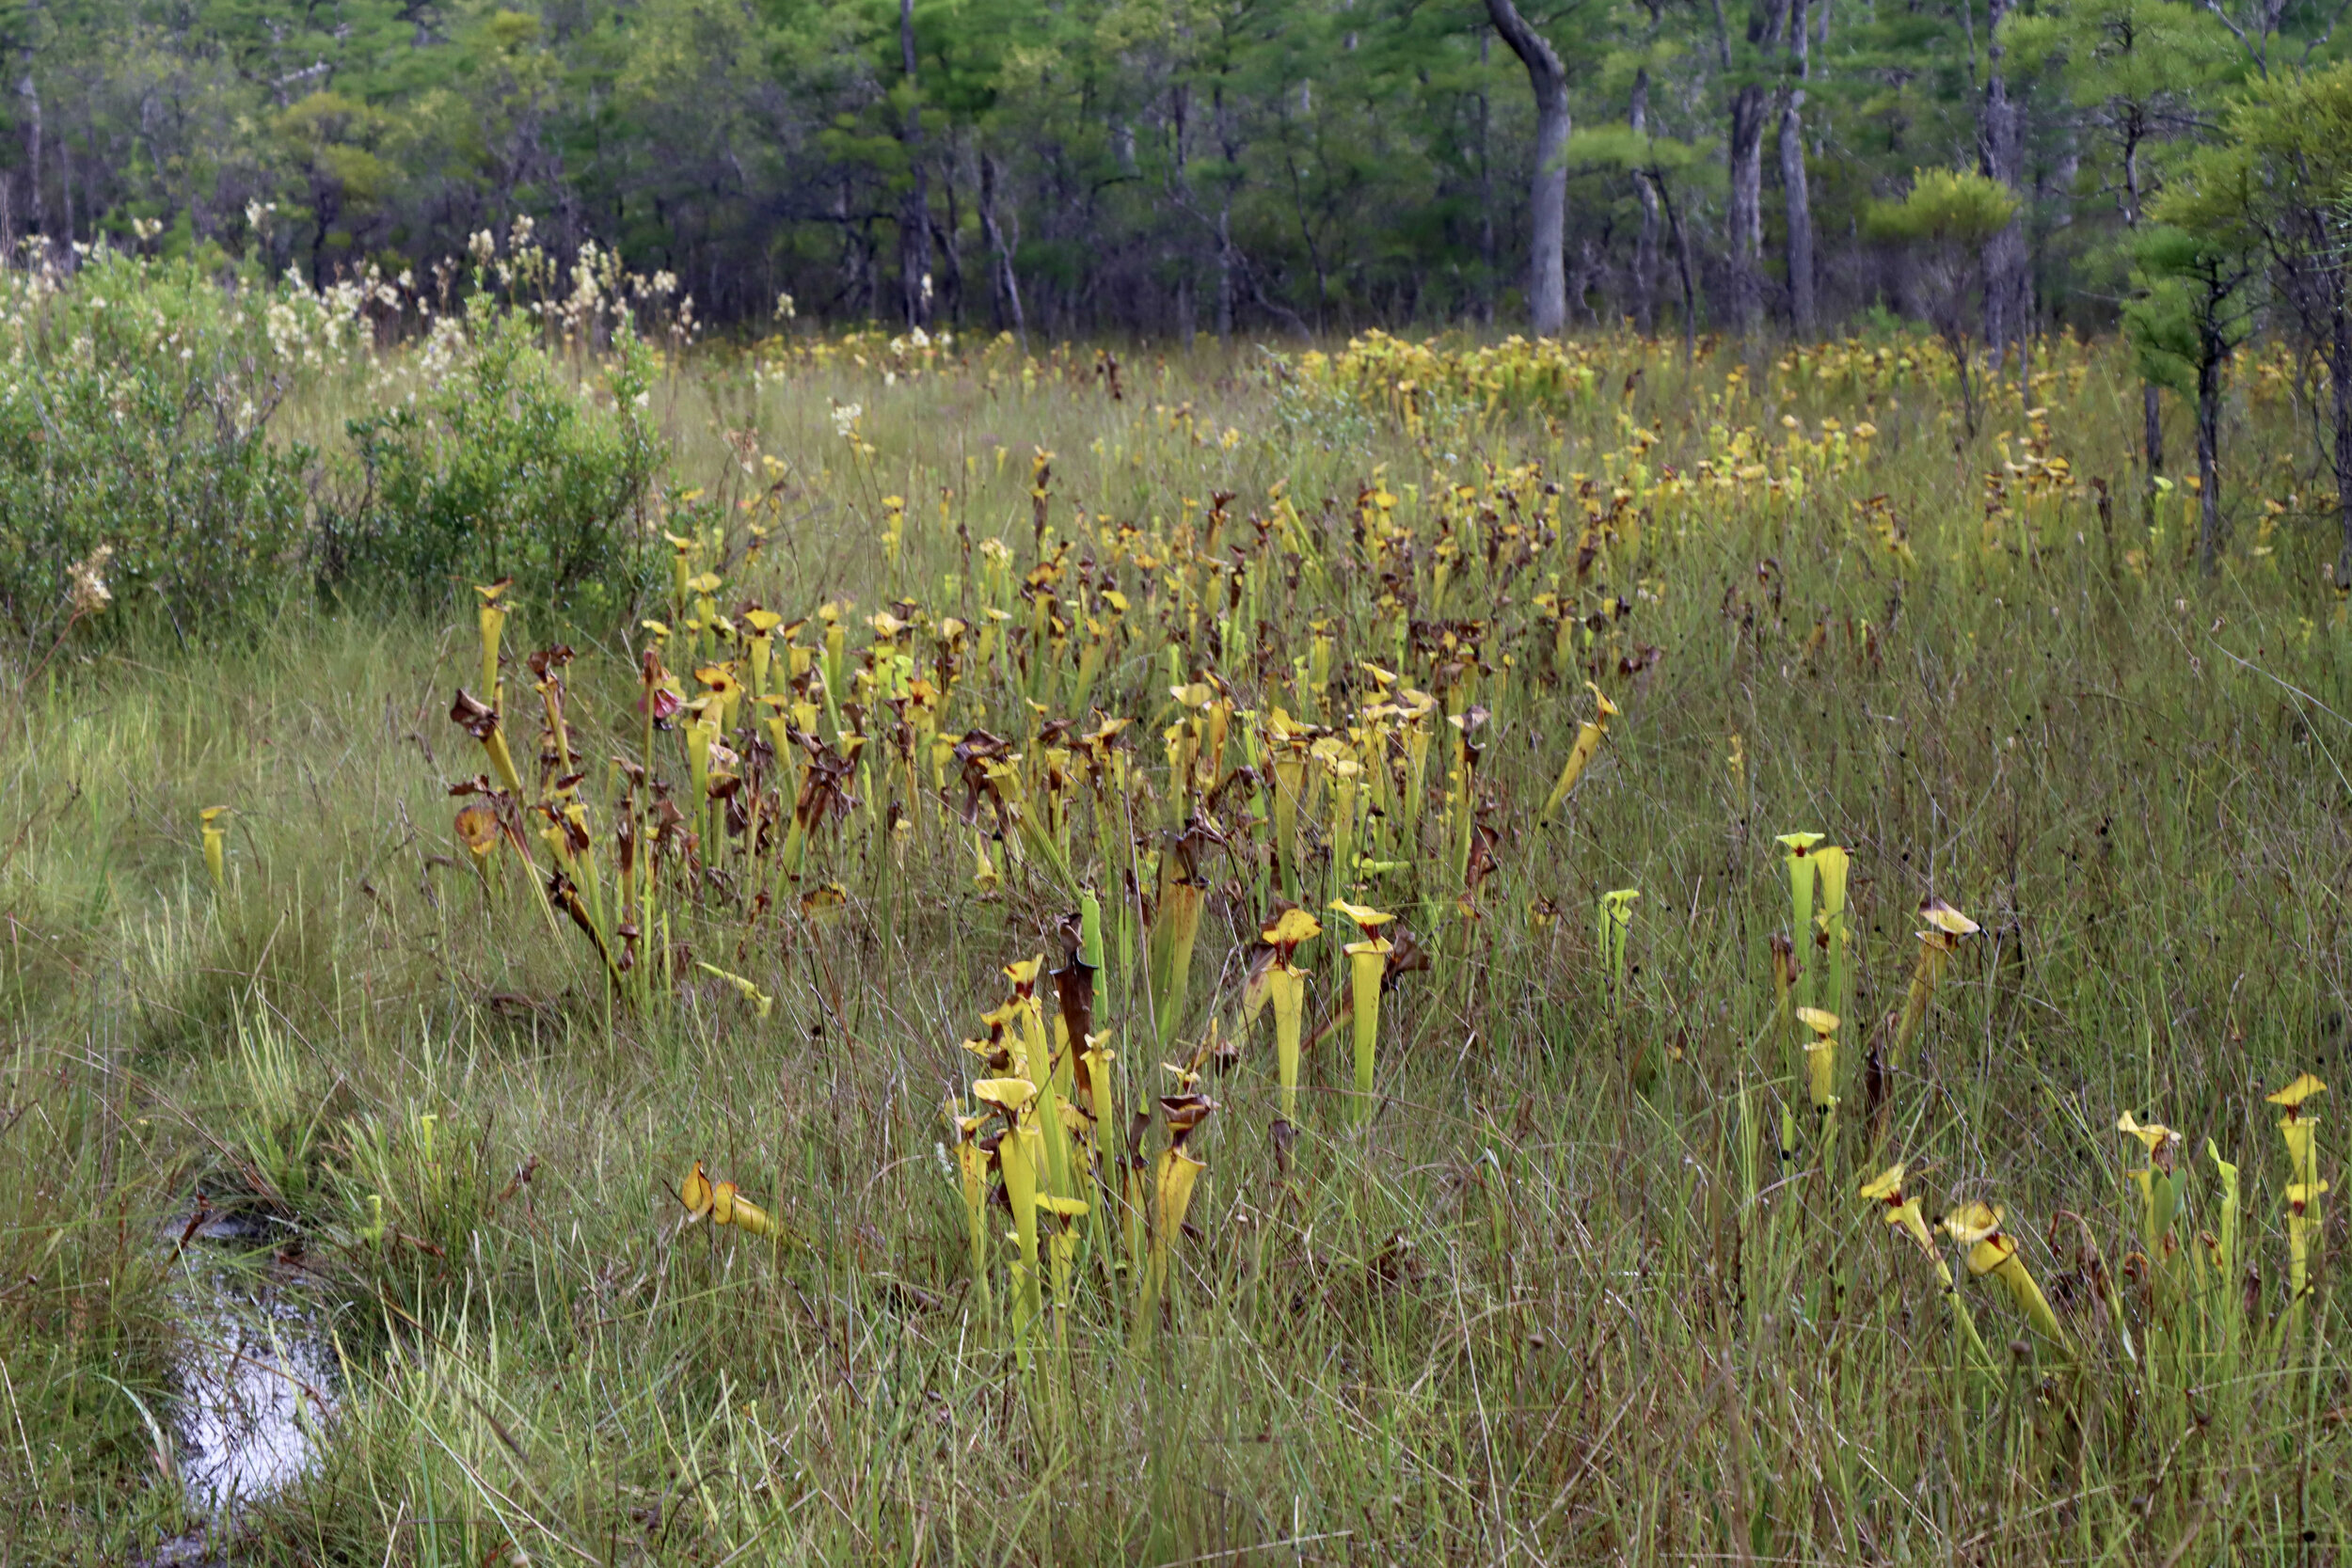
(255, 1383)
(256, 1374)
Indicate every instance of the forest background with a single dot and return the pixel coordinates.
(1167, 168)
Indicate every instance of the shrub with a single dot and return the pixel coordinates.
(507, 467)
(134, 412)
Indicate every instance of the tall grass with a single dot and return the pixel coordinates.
(1565, 1291)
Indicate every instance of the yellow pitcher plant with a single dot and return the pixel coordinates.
(1286, 994)
(1020, 1158)
(723, 1205)
(2159, 1186)
(1616, 920)
(1977, 1225)
(2300, 1129)
(1903, 1213)
(1820, 1058)
(1797, 854)
(217, 847)
(1174, 1175)
(1367, 969)
(1587, 745)
(1832, 864)
(1946, 927)
(492, 616)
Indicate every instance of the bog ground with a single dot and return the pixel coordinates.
(777, 1037)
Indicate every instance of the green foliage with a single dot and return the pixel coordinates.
(1148, 167)
(2163, 322)
(1620, 147)
(2194, 264)
(133, 418)
(507, 467)
(1944, 207)
(2139, 64)
(2161, 326)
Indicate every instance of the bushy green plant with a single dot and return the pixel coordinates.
(1946, 220)
(134, 412)
(507, 467)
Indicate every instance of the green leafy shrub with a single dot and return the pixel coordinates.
(507, 467)
(135, 403)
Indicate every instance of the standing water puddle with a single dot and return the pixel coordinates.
(255, 1372)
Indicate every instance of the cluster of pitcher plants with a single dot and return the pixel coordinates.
(1264, 731)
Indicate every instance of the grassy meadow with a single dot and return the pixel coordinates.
(1538, 1236)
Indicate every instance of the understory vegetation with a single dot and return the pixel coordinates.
(886, 948)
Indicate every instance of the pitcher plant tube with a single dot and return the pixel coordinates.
(1901, 1211)
(2299, 1128)
(1977, 1225)
(1367, 971)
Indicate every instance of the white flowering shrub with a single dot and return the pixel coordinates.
(134, 407)
(504, 465)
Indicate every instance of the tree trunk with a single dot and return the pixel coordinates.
(1744, 154)
(1682, 266)
(1744, 213)
(1795, 194)
(1007, 280)
(914, 227)
(2151, 408)
(1800, 208)
(2339, 372)
(2209, 454)
(1487, 270)
(1999, 154)
(946, 238)
(30, 92)
(1225, 269)
(1547, 194)
(1645, 240)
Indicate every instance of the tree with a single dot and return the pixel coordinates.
(344, 183)
(2194, 310)
(1948, 219)
(1749, 69)
(1796, 194)
(914, 227)
(2137, 72)
(1547, 194)
(1657, 164)
(1142, 168)
(2293, 135)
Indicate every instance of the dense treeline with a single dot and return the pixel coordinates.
(1166, 167)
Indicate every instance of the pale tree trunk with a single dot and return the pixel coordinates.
(1548, 195)
(1645, 240)
(1744, 212)
(1487, 270)
(2209, 456)
(2151, 404)
(1225, 270)
(2000, 154)
(2340, 373)
(1224, 258)
(1794, 192)
(914, 226)
(27, 90)
(1000, 252)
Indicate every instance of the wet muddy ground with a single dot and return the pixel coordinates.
(256, 1377)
